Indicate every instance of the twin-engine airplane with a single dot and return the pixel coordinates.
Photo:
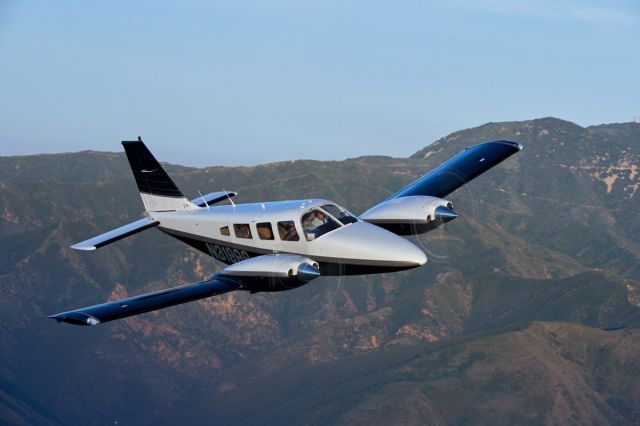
(281, 245)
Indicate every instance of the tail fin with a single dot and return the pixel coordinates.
(157, 190)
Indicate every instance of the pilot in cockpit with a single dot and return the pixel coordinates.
(312, 221)
(319, 219)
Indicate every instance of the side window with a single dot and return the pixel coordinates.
(265, 232)
(287, 231)
(225, 231)
(242, 230)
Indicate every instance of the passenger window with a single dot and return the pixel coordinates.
(224, 231)
(242, 230)
(265, 232)
(287, 231)
(316, 223)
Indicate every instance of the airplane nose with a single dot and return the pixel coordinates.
(407, 251)
(370, 243)
(419, 256)
(396, 248)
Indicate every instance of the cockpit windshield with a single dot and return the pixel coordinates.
(339, 213)
(317, 223)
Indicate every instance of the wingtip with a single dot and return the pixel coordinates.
(83, 247)
(514, 144)
(56, 317)
(75, 318)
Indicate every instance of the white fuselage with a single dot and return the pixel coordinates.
(232, 233)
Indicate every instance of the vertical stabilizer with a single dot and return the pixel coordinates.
(157, 190)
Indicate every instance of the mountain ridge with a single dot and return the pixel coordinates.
(546, 236)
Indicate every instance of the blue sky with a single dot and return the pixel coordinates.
(249, 82)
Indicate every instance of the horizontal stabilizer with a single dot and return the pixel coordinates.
(462, 168)
(116, 234)
(213, 198)
(109, 311)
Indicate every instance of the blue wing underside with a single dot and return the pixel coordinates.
(459, 170)
(123, 308)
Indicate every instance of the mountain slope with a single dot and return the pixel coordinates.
(543, 373)
(548, 236)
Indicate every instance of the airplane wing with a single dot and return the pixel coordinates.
(144, 223)
(269, 272)
(109, 311)
(419, 207)
(462, 168)
(116, 234)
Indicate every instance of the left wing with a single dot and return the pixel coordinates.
(116, 234)
(96, 314)
(462, 168)
(419, 207)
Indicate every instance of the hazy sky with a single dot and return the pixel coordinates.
(247, 82)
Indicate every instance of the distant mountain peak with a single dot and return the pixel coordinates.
(545, 130)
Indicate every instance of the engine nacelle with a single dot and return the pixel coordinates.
(274, 272)
(410, 215)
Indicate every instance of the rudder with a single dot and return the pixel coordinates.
(158, 191)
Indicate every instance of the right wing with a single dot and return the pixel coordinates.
(144, 223)
(269, 272)
(109, 311)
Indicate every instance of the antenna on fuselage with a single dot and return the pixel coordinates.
(230, 200)
(203, 199)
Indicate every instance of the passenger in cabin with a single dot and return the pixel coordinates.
(264, 231)
(290, 233)
(287, 231)
(242, 230)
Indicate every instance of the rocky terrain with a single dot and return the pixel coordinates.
(527, 311)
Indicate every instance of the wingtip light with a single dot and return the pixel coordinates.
(76, 318)
(82, 247)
